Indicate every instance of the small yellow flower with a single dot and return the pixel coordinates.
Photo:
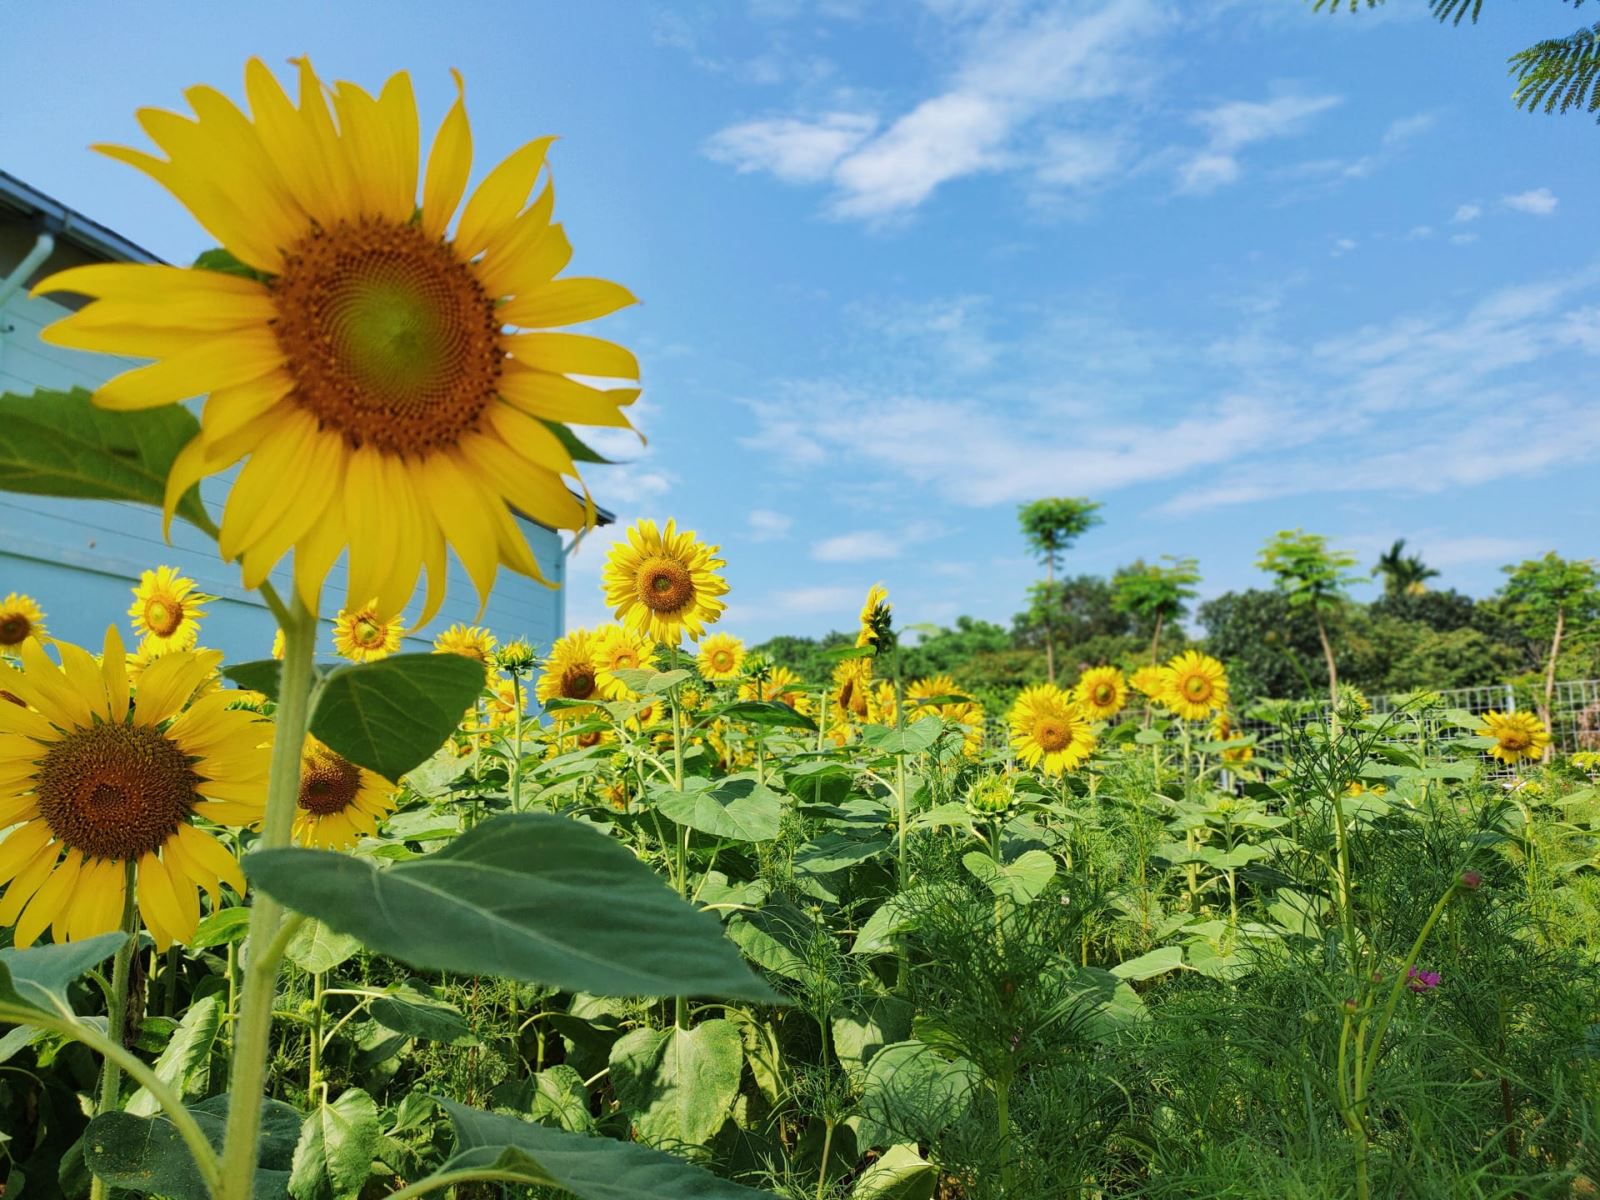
(571, 672)
(880, 704)
(781, 685)
(469, 641)
(721, 658)
(1151, 681)
(1101, 692)
(875, 616)
(1517, 735)
(1049, 731)
(362, 635)
(664, 583)
(619, 649)
(167, 610)
(339, 802)
(1196, 686)
(21, 618)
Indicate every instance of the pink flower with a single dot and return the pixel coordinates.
(1422, 981)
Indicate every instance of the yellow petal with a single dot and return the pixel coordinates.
(49, 903)
(459, 506)
(166, 684)
(84, 676)
(500, 197)
(209, 855)
(449, 164)
(218, 362)
(21, 847)
(531, 439)
(573, 354)
(565, 302)
(254, 500)
(146, 284)
(371, 533)
(314, 556)
(47, 688)
(159, 904)
(114, 671)
(525, 262)
(558, 398)
(27, 880)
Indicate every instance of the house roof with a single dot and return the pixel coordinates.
(58, 219)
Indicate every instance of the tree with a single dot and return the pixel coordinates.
(1050, 527)
(1557, 74)
(1313, 577)
(1543, 596)
(1150, 592)
(1266, 644)
(1403, 574)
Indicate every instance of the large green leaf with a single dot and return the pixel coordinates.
(36, 979)
(147, 1154)
(415, 1013)
(186, 1052)
(1021, 880)
(388, 716)
(60, 444)
(835, 851)
(913, 739)
(592, 1168)
(526, 896)
(766, 712)
(316, 949)
(678, 1085)
(737, 810)
(912, 1093)
(899, 1174)
(333, 1159)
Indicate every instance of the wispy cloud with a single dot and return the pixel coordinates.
(862, 545)
(1540, 202)
(791, 149)
(1237, 124)
(768, 526)
(1466, 213)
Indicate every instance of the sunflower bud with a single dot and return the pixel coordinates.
(515, 656)
(991, 796)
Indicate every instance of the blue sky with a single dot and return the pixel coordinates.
(1227, 267)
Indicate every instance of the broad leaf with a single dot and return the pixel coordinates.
(333, 1159)
(526, 896)
(591, 1168)
(899, 1174)
(148, 1155)
(737, 810)
(835, 851)
(221, 928)
(913, 739)
(412, 1012)
(911, 1093)
(186, 1053)
(60, 444)
(36, 979)
(316, 949)
(766, 712)
(678, 1085)
(1147, 966)
(1022, 880)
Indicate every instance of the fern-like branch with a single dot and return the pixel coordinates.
(1559, 74)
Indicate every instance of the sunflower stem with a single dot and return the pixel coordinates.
(680, 1004)
(263, 948)
(516, 744)
(117, 1006)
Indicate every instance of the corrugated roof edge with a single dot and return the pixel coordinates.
(65, 222)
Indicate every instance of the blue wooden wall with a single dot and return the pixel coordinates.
(79, 558)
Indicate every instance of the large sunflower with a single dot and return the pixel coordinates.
(100, 774)
(1196, 687)
(1517, 735)
(370, 369)
(469, 641)
(21, 618)
(619, 649)
(364, 635)
(664, 583)
(1101, 692)
(167, 611)
(571, 673)
(340, 803)
(1049, 731)
(721, 657)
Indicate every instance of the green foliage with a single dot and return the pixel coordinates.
(1306, 570)
(1154, 593)
(1051, 526)
(1403, 574)
(1541, 591)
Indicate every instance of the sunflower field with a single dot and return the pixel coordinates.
(645, 914)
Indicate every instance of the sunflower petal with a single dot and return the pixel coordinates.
(449, 164)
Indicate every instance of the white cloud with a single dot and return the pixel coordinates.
(808, 601)
(794, 150)
(1017, 66)
(1406, 128)
(1239, 123)
(1343, 246)
(767, 526)
(1420, 231)
(863, 545)
(1540, 202)
(1467, 212)
(1075, 160)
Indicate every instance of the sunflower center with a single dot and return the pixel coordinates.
(328, 784)
(1052, 734)
(367, 633)
(162, 617)
(665, 585)
(115, 791)
(390, 339)
(14, 629)
(592, 738)
(1514, 740)
(1104, 695)
(578, 684)
(722, 660)
(1197, 688)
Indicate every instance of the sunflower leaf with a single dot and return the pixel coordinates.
(591, 1168)
(576, 446)
(766, 712)
(59, 444)
(35, 980)
(390, 716)
(527, 896)
(148, 1155)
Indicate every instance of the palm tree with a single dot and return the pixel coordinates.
(1403, 574)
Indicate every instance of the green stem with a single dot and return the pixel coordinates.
(1401, 978)
(827, 1148)
(680, 1004)
(516, 744)
(1002, 1128)
(468, 1175)
(263, 947)
(117, 1006)
(315, 1054)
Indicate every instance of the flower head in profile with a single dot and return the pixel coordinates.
(1517, 735)
(852, 687)
(469, 641)
(664, 583)
(339, 803)
(96, 773)
(365, 635)
(571, 672)
(1101, 692)
(877, 620)
(516, 657)
(1197, 685)
(1049, 731)
(386, 381)
(721, 658)
(1150, 681)
(167, 611)
(21, 618)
